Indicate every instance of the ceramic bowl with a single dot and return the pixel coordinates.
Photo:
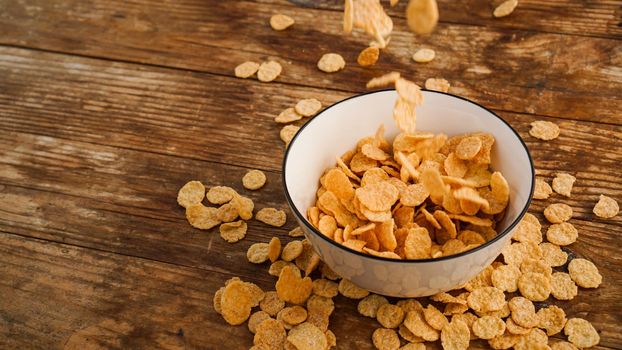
(338, 128)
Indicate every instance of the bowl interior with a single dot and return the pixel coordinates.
(337, 129)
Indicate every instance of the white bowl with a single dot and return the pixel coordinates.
(338, 128)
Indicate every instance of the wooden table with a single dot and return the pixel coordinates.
(107, 107)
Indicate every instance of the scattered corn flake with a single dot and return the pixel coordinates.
(385, 339)
(505, 9)
(369, 305)
(383, 80)
(455, 336)
(447, 298)
(523, 312)
(220, 194)
(553, 255)
(304, 259)
(486, 299)
(542, 190)
(534, 286)
(370, 16)
(257, 253)
(558, 213)
(271, 303)
(288, 132)
(287, 116)
(368, 57)
(202, 217)
(307, 336)
(515, 253)
(270, 333)
(292, 250)
(505, 341)
(422, 16)
(543, 130)
(389, 315)
(292, 288)
(322, 305)
(563, 345)
(562, 234)
(293, 315)
(434, 317)
(246, 69)
(327, 273)
(254, 180)
(416, 323)
(331, 62)
(236, 303)
(331, 339)
(413, 346)
(190, 194)
(581, 333)
(255, 319)
(606, 207)
(296, 232)
(274, 249)
(313, 264)
(308, 107)
(245, 206)
(506, 278)
(277, 266)
(325, 288)
(424, 55)
(488, 327)
(537, 266)
(563, 287)
(280, 22)
(217, 300)
(482, 279)
(228, 212)
(534, 340)
(584, 273)
(562, 184)
(437, 84)
(552, 319)
(410, 305)
(268, 71)
(233, 231)
(351, 290)
(408, 335)
(271, 216)
(526, 231)
(513, 327)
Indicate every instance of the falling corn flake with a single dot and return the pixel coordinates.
(606, 207)
(584, 273)
(368, 57)
(308, 107)
(437, 84)
(383, 80)
(558, 213)
(202, 217)
(542, 190)
(268, 71)
(370, 16)
(287, 116)
(505, 8)
(422, 16)
(424, 55)
(233, 231)
(191, 193)
(563, 183)
(544, 130)
(288, 132)
(281, 22)
(331, 62)
(246, 69)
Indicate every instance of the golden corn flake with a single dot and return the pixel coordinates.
(368, 57)
(606, 207)
(416, 323)
(383, 80)
(307, 336)
(287, 116)
(296, 232)
(288, 132)
(581, 333)
(325, 288)
(523, 312)
(202, 217)
(369, 305)
(468, 147)
(257, 253)
(331, 62)
(220, 194)
(413, 346)
(271, 216)
(351, 290)
(505, 9)
(513, 327)
(322, 305)
(536, 339)
(277, 266)
(584, 273)
(483, 279)
(424, 55)
(544, 130)
(515, 253)
(527, 231)
(552, 319)
(417, 244)
(562, 234)
(553, 255)
(227, 212)
(190, 194)
(486, 299)
(385, 339)
(562, 184)
(437, 84)
(274, 249)
(434, 317)
(558, 213)
(447, 298)
(422, 16)
(236, 303)
(270, 333)
(271, 303)
(268, 71)
(410, 305)
(542, 190)
(563, 345)
(506, 278)
(246, 69)
(293, 315)
(254, 180)
(292, 250)
(455, 336)
(378, 197)
(505, 341)
(245, 206)
(327, 226)
(308, 107)
(233, 231)
(292, 288)
(389, 315)
(537, 266)
(331, 339)
(281, 22)
(534, 286)
(217, 300)
(409, 336)
(562, 286)
(255, 319)
(488, 327)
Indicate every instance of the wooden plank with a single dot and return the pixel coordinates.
(576, 17)
(514, 70)
(58, 296)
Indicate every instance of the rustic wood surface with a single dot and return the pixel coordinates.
(107, 107)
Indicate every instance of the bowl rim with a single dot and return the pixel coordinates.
(304, 220)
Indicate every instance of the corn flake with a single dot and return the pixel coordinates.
(558, 213)
(523, 312)
(227, 212)
(562, 286)
(383, 80)
(422, 16)
(584, 273)
(202, 217)
(562, 234)
(190, 194)
(292, 288)
(268, 71)
(257, 253)
(424, 55)
(455, 336)
(288, 132)
(552, 319)
(562, 184)
(325, 288)
(488, 327)
(351, 290)
(542, 190)
(270, 333)
(292, 250)
(581, 333)
(505, 9)
(437, 84)
(506, 278)
(220, 194)
(307, 336)
(368, 57)
(434, 317)
(246, 69)
(308, 107)
(331, 62)
(606, 207)
(416, 323)
(385, 339)
(389, 315)
(233, 231)
(534, 286)
(255, 319)
(486, 299)
(369, 305)
(280, 22)
(287, 116)
(271, 216)
(274, 249)
(236, 303)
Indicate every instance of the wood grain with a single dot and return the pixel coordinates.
(532, 77)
